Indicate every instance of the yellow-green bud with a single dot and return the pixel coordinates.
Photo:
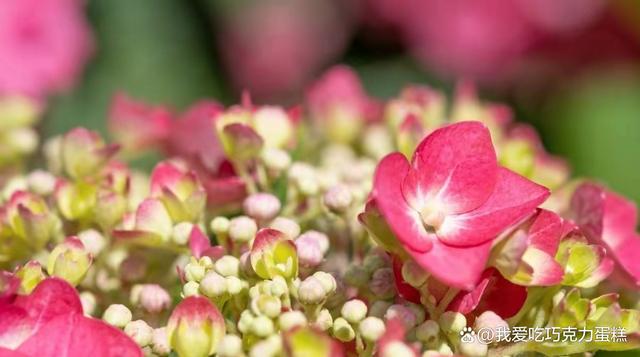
(117, 315)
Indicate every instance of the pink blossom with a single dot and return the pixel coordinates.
(43, 45)
(137, 125)
(447, 205)
(49, 322)
(608, 219)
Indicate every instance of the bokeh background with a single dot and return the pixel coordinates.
(570, 67)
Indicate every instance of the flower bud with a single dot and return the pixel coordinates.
(382, 283)
(309, 253)
(272, 254)
(220, 225)
(140, 332)
(41, 182)
(93, 241)
(269, 305)
(474, 348)
(379, 308)
(342, 330)
(279, 286)
(195, 327)
(374, 261)
(397, 349)
(371, 328)
(451, 321)
(69, 261)
(290, 319)
(261, 206)
(428, 332)
(357, 276)
(179, 190)
(213, 285)
(308, 186)
(194, 271)
(117, 315)
(181, 233)
(414, 274)
(262, 326)
(242, 229)
(30, 275)
(227, 265)
(84, 152)
(327, 280)
(191, 288)
(153, 298)
(276, 160)
(160, 342)
(230, 346)
(234, 285)
(354, 311)
(245, 321)
(403, 313)
(338, 199)
(491, 321)
(319, 238)
(287, 226)
(88, 301)
(311, 291)
(324, 321)
(274, 126)
(30, 219)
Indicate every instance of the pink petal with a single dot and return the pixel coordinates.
(75, 335)
(152, 216)
(545, 271)
(52, 297)
(455, 164)
(405, 290)
(456, 266)
(545, 232)
(136, 124)
(165, 175)
(198, 242)
(404, 221)
(513, 199)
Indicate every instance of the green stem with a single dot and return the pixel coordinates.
(445, 301)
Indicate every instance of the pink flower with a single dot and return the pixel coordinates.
(179, 190)
(136, 125)
(200, 246)
(43, 45)
(610, 220)
(452, 200)
(49, 322)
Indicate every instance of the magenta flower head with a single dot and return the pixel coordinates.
(195, 327)
(53, 312)
(179, 190)
(136, 125)
(339, 104)
(452, 200)
(610, 220)
(43, 45)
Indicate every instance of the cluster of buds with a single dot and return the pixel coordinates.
(347, 226)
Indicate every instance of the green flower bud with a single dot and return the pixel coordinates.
(191, 288)
(194, 271)
(117, 315)
(453, 322)
(220, 226)
(342, 330)
(414, 274)
(69, 261)
(195, 328)
(140, 332)
(428, 332)
(234, 285)
(354, 311)
(279, 286)
(371, 328)
(246, 321)
(30, 276)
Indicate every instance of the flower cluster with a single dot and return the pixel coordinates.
(346, 226)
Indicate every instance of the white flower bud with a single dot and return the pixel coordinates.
(194, 271)
(354, 310)
(160, 342)
(88, 301)
(311, 291)
(234, 285)
(140, 332)
(228, 265)
(308, 186)
(230, 346)
(371, 328)
(320, 238)
(267, 305)
(213, 285)
(309, 253)
(262, 326)
(324, 321)
(490, 320)
(474, 348)
(287, 226)
(342, 330)
(338, 198)
(414, 274)
(451, 321)
(327, 280)
(428, 332)
(246, 321)
(290, 319)
(191, 288)
(153, 298)
(220, 225)
(275, 160)
(205, 262)
(279, 286)
(181, 232)
(242, 229)
(261, 206)
(117, 315)
(41, 182)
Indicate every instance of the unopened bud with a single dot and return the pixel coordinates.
(428, 332)
(41, 182)
(451, 321)
(213, 285)
(414, 274)
(342, 330)
(262, 326)
(287, 226)
(227, 265)
(69, 261)
(140, 332)
(311, 291)
(382, 283)
(191, 288)
(338, 199)
(93, 241)
(242, 229)
(181, 232)
(220, 225)
(327, 280)
(324, 321)
(397, 349)
(474, 348)
(275, 160)
(489, 320)
(230, 346)
(117, 315)
(153, 298)
(291, 319)
(403, 313)
(371, 328)
(261, 206)
(88, 301)
(354, 310)
(194, 271)
(160, 342)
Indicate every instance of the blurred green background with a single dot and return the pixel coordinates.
(169, 51)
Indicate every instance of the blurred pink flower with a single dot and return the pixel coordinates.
(272, 48)
(43, 45)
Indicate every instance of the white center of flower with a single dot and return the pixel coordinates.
(432, 215)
